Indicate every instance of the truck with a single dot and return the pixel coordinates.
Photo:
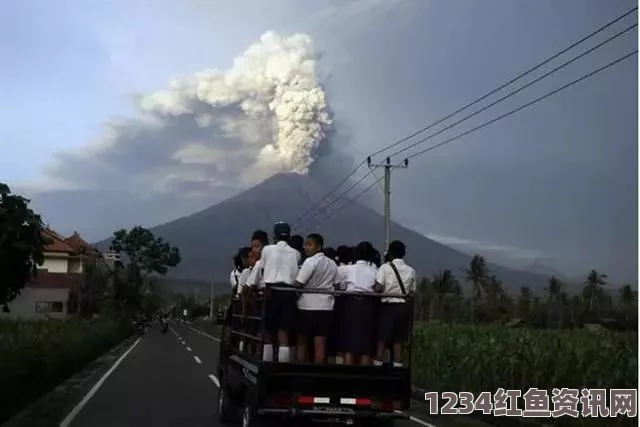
(255, 393)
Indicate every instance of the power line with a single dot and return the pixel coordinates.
(510, 94)
(500, 117)
(319, 202)
(349, 202)
(323, 209)
(359, 165)
(528, 104)
(513, 80)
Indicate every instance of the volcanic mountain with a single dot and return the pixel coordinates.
(208, 239)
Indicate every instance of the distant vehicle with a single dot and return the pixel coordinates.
(259, 393)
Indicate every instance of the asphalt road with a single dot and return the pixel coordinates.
(164, 380)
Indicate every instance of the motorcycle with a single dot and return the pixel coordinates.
(165, 325)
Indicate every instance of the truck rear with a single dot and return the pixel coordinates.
(259, 393)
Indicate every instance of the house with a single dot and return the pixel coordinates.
(60, 282)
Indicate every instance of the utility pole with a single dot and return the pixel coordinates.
(387, 193)
(211, 302)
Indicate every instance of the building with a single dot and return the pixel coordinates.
(60, 282)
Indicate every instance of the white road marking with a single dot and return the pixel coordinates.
(215, 380)
(188, 348)
(203, 333)
(76, 410)
(197, 359)
(418, 420)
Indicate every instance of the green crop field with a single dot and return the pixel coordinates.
(484, 358)
(35, 356)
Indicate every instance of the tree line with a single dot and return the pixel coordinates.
(129, 287)
(441, 298)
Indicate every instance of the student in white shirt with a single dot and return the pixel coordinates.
(315, 310)
(280, 268)
(297, 242)
(241, 262)
(254, 286)
(344, 257)
(394, 320)
(356, 325)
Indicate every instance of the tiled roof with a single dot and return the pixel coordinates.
(44, 279)
(58, 244)
(78, 244)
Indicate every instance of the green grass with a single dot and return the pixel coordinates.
(36, 356)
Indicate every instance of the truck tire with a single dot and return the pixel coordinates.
(249, 418)
(227, 410)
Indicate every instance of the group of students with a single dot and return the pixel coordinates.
(350, 328)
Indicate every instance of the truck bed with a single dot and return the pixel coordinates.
(321, 387)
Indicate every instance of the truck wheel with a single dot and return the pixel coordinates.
(226, 408)
(251, 419)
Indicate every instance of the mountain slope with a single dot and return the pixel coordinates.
(209, 238)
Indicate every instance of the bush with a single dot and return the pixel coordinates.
(36, 356)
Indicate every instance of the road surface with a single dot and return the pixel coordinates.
(164, 380)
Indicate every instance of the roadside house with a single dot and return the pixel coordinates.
(60, 281)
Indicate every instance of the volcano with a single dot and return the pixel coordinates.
(208, 239)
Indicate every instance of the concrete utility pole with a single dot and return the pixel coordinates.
(211, 302)
(387, 194)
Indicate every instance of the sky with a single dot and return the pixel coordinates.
(555, 183)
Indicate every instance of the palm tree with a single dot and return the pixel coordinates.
(443, 284)
(593, 288)
(477, 274)
(495, 293)
(553, 290)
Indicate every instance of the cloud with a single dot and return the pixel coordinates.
(268, 113)
(513, 253)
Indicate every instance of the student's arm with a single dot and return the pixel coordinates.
(304, 273)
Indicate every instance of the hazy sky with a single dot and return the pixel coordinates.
(556, 182)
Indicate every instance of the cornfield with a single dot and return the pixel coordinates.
(35, 356)
(485, 358)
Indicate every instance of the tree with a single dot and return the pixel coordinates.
(477, 274)
(443, 285)
(21, 244)
(146, 254)
(629, 302)
(593, 289)
(553, 292)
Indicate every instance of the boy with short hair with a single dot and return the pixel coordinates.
(280, 268)
(315, 310)
(394, 277)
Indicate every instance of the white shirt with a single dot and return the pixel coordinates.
(341, 276)
(317, 272)
(360, 277)
(256, 276)
(234, 278)
(280, 263)
(242, 279)
(387, 278)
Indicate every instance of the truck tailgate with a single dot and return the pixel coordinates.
(383, 388)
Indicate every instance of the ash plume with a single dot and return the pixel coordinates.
(225, 129)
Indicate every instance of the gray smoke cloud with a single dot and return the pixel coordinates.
(212, 130)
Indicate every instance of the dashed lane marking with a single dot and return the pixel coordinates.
(215, 380)
(197, 359)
